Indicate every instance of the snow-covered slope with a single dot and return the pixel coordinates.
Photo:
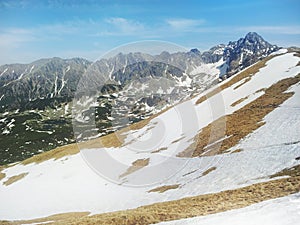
(103, 179)
(285, 210)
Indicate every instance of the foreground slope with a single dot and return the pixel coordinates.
(249, 157)
(279, 211)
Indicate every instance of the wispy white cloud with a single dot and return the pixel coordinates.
(124, 26)
(13, 37)
(184, 24)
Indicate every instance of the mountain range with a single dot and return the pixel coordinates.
(37, 99)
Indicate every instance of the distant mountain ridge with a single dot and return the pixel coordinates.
(58, 78)
(37, 99)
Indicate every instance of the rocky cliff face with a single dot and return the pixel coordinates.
(246, 51)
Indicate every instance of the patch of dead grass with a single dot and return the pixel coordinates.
(208, 95)
(240, 123)
(260, 90)
(136, 165)
(55, 154)
(209, 170)
(164, 188)
(186, 174)
(237, 150)
(57, 218)
(292, 172)
(177, 140)
(2, 175)
(238, 101)
(244, 82)
(14, 179)
(160, 149)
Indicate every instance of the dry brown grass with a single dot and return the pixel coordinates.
(244, 82)
(136, 165)
(292, 172)
(14, 179)
(260, 90)
(238, 101)
(209, 170)
(177, 140)
(53, 154)
(112, 140)
(2, 175)
(241, 123)
(57, 218)
(208, 95)
(237, 150)
(164, 188)
(246, 74)
(186, 174)
(191, 206)
(160, 149)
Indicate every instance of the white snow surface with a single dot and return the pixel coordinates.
(4, 71)
(280, 211)
(91, 181)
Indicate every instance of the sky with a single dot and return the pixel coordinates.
(32, 29)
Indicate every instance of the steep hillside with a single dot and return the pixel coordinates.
(234, 145)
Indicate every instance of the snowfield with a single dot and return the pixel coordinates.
(94, 181)
(285, 210)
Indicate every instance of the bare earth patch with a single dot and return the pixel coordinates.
(14, 179)
(136, 165)
(240, 123)
(164, 188)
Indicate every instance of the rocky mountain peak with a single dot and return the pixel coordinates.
(195, 51)
(246, 51)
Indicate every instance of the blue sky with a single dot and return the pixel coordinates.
(30, 30)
